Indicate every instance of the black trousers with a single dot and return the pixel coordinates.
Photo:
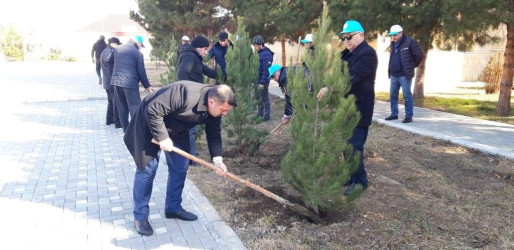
(98, 69)
(127, 102)
(112, 111)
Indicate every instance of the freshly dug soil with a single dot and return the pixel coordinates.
(423, 193)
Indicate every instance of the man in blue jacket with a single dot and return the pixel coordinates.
(362, 66)
(219, 50)
(129, 70)
(265, 61)
(405, 55)
(107, 62)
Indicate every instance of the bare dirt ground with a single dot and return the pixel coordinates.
(423, 194)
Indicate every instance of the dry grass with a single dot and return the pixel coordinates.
(424, 193)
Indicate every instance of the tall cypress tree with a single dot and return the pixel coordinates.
(241, 73)
(321, 160)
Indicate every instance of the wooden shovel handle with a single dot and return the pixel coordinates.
(229, 175)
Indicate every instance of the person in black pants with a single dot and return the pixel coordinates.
(129, 70)
(97, 50)
(362, 65)
(107, 62)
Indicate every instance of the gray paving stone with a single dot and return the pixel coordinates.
(79, 170)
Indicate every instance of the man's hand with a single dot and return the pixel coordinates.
(218, 161)
(261, 86)
(148, 90)
(285, 119)
(166, 145)
(321, 93)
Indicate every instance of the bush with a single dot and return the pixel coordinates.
(55, 54)
(492, 74)
(12, 45)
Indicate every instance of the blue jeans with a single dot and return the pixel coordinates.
(264, 103)
(192, 140)
(358, 139)
(405, 84)
(143, 183)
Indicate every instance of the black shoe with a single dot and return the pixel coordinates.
(108, 123)
(182, 214)
(407, 120)
(349, 190)
(391, 117)
(117, 125)
(143, 227)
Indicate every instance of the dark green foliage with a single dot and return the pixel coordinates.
(170, 57)
(166, 19)
(242, 66)
(321, 160)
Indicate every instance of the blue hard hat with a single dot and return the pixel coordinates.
(351, 26)
(274, 68)
(139, 39)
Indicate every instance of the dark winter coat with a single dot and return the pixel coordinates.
(191, 66)
(219, 52)
(282, 83)
(129, 67)
(107, 62)
(362, 66)
(265, 61)
(170, 113)
(98, 48)
(410, 54)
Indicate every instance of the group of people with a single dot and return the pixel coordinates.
(170, 115)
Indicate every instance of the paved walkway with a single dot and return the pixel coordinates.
(486, 136)
(67, 178)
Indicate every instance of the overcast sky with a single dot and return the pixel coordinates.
(59, 15)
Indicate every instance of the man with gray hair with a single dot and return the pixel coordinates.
(405, 56)
(166, 116)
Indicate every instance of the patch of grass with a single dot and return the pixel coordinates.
(469, 107)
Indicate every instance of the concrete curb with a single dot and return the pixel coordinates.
(226, 234)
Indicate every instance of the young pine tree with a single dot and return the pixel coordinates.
(321, 160)
(171, 60)
(241, 122)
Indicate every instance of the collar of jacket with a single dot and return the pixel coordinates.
(202, 102)
(346, 53)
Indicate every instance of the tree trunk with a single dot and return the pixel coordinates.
(283, 43)
(419, 82)
(503, 107)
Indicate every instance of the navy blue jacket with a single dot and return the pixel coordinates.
(107, 62)
(169, 113)
(410, 54)
(265, 61)
(362, 66)
(282, 83)
(191, 66)
(129, 67)
(219, 52)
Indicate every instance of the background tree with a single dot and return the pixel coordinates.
(278, 20)
(12, 45)
(430, 22)
(321, 160)
(170, 57)
(241, 73)
(167, 20)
